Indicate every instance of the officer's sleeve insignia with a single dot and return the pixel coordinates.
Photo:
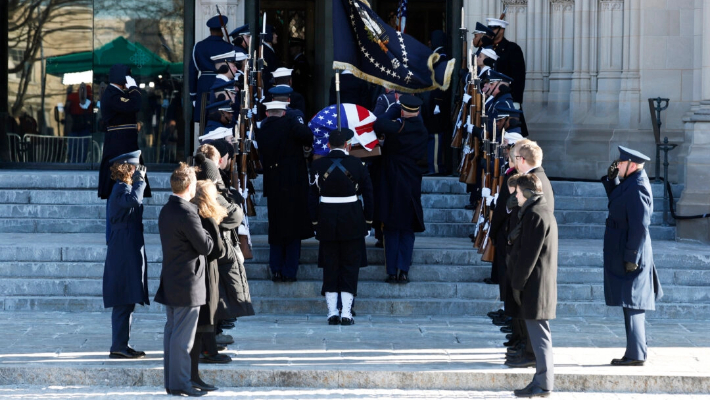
(125, 100)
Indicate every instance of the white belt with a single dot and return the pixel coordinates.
(338, 200)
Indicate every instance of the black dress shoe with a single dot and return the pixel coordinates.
(200, 384)
(512, 342)
(532, 391)
(187, 393)
(391, 279)
(334, 320)
(504, 321)
(136, 353)
(231, 320)
(489, 281)
(522, 362)
(226, 325)
(124, 354)
(494, 314)
(290, 279)
(221, 347)
(627, 362)
(506, 329)
(347, 321)
(403, 278)
(509, 336)
(276, 277)
(215, 359)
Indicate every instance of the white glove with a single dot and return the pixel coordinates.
(485, 192)
(254, 110)
(437, 110)
(249, 114)
(85, 104)
(193, 103)
(258, 124)
(130, 82)
(242, 230)
(469, 128)
(489, 200)
(466, 98)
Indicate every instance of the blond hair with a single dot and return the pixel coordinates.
(182, 178)
(206, 200)
(531, 152)
(210, 152)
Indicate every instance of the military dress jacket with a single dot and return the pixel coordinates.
(404, 148)
(280, 141)
(340, 221)
(511, 62)
(201, 69)
(627, 239)
(185, 245)
(125, 279)
(118, 111)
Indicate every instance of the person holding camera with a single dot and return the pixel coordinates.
(630, 276)
(125, 280)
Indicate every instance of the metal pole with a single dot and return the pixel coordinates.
(666, 147)
(4, 84)
(337, 94)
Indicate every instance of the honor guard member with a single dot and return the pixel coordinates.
(404, 151)
(120, 103)
(225, 90)
(486, 60)
(281, 139)
(482, 36)
(125, 280)
(202, 71)
(301, 68)
(340, 222)
(271, 60)
(241, 38)
(630, 276)
(219, 116)
(436, 112)
(508, 119)
(498, 89)
(511, 62)
(282, 76)
(386, 100)
(283, 93)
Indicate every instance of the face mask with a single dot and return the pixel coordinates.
(486, 41)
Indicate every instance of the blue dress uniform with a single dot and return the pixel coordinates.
(236, 36)
(437, 113)
(340, 222)
(271, 60)
(202, 73)
(125, 280)
(627, 244)
(118, 110)
(404, 153)
(281, 141)
(503, 100)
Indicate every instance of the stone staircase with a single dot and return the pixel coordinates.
(52, 251)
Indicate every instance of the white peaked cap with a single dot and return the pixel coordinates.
(513, 137)
(276, 105)
(497, 22)
(219, 133)
(490, 53)
(224, 56)
(281, 72)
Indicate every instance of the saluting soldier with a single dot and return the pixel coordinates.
(281, 139)
(630, 276)
(404, 151)
(202, 69)
(120, 103)
(511, 62)
(340, 222)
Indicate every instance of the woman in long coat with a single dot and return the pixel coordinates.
(125, 281)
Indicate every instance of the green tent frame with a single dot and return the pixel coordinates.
(143, 62)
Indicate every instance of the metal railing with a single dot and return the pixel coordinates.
(53, 149)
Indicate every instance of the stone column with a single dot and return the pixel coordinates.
(535, 52)
(630, 96)
(696, 195)
(611, 31)
(562, 56)
(580, 95)
(206, 9)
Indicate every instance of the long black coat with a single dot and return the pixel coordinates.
(118, 110)
(627, 239)
(185, 245)
(281, 142)
(126, 268)
(534, 271)
(345, 221)
(546, 187)
(511, 62)
(401, 183)
(498, 232)
(209, 309)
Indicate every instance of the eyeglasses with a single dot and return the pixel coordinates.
(516, 157)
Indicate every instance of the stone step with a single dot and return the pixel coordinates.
(364, 306)
(258, 227)
(306, 272)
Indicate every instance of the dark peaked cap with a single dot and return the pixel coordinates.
(410, 103)
(627, 154)
(127, 158)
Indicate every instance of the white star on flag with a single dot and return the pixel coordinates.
(329, 122)
(320, 117)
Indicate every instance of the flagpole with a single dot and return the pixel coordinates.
(337, 93)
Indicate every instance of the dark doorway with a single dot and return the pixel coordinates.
(423, 16)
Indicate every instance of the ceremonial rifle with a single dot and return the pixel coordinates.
(225, 34)
(486, 189)
(465, 165)
(488, 247)
(457, 138)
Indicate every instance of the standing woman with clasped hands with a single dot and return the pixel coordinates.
(125, 282)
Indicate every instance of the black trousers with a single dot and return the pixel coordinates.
(341, 261)
(121, 318)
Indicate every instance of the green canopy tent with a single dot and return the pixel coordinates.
(143, 62)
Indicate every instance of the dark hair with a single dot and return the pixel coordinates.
(529, 184)
(122, 172)
(513, 180)
(182, 177)
(282, 80)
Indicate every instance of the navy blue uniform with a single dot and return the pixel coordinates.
(401, 213)
(202, 73)
(118, 110)
(627, 239)
(271, 63)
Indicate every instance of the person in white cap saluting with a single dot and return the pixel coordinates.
(630, 276)
(281, 138)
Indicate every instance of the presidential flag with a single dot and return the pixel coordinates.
(378, 53)
(359, 119)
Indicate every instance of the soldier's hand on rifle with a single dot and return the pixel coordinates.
(613, 171)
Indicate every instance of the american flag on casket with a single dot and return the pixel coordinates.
(359, 119)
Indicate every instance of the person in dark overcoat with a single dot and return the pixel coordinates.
(125, 280)
(340, 222)
(404, 149)
(533, 277)
(120, 103)
(630, 276)
(211, 214)
(281, 139)
(271, 60)
(185, 244)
